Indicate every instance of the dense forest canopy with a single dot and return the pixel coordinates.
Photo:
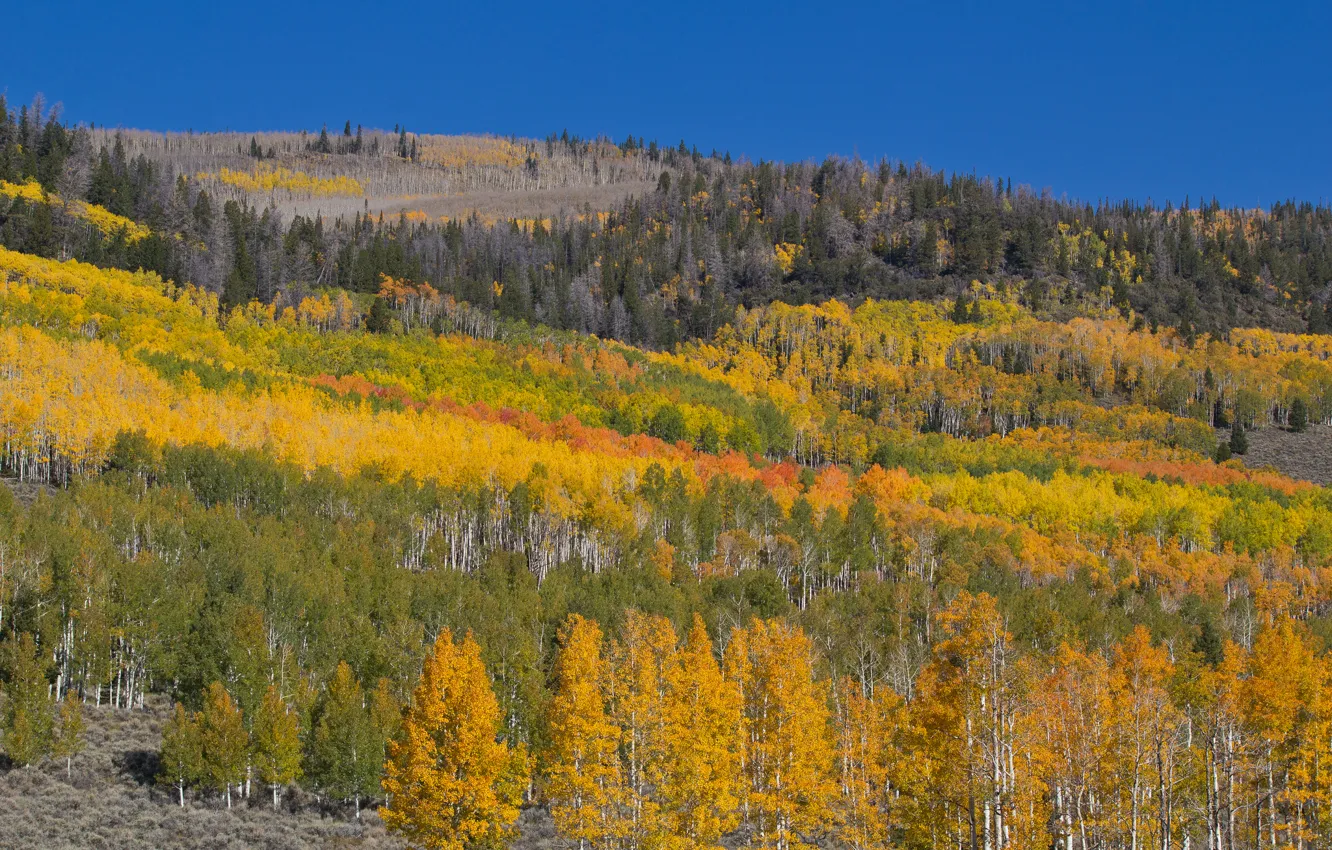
(681, 499)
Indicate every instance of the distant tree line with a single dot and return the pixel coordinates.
(716, 234)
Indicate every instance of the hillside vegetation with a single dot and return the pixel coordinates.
(779, 506)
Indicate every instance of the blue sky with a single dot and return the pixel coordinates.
(1131, 100)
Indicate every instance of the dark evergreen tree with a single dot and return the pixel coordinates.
(1299, 416)
(1239, 442)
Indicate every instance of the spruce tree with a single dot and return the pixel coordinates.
(1317, 319)
(1299, 416)
(961, 311)
(1239, 443)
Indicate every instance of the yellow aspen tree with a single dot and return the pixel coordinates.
(275, 736)
(449, 778)
(1216, 698)
(789, 746)
(865, 738)
(974, 689)
(1148, 730)
(583, 779)
(701, 782)
(68, 741)
(225, 741)
(640, 665)
(1281, 702)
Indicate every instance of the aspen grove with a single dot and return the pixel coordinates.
(838, 505)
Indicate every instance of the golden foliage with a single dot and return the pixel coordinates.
(450, 782)
(268, 179)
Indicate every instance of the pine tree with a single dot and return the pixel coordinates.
(346, 755)
(28, 709)
(277, 743)
(225, 744)
(451, 784)
(69, 731)
(181, 758)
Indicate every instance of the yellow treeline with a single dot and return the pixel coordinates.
(99, 217)
(266, 179)
(66, 391)
(64, 404)
(464, 151)
(655, 741)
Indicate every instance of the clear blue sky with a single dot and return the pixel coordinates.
(1137, 100)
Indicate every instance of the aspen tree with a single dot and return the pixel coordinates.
(583, 779)
(181, 758)
(451, 783)
(701, 780)
(27, 716)
(1149, 730)
(69, 731)
(865, 738)
(789, 747)
(345, 753)
(225, 744)
(276, 742)
(640, 664)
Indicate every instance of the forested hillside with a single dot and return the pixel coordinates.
(778, 505)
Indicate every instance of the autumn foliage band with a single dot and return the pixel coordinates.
(656, 741)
